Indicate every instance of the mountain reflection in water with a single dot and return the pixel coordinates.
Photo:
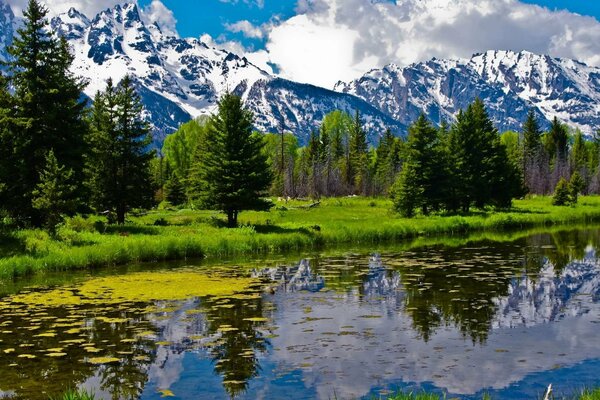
(482, 316)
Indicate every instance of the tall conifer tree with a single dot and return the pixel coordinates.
(47, 113)
(119, 166)
(232, 174)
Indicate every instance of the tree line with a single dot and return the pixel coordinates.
(60, 155)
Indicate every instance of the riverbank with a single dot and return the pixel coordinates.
(295, 225)
(584, 395)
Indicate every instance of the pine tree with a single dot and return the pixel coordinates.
(233, 174)
(576, 185)
(532, 135)
(47, 113)
(358, 150)
(119, 166)
(175, 191)
(424, 169)
(407, 193)
(53, 195)
(558, 140)
(483, 174)
(562, 195)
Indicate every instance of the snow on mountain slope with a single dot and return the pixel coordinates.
(508, 82)
(183, 78)
(439, 88)
(567, 89)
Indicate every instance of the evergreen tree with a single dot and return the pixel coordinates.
(233, 174)
(576, 186)
(482, 172)
(47, 113)
(53, 195)
(119, 165)
(558, 140)
(562, 195)
(358, 150)
(175, 191)
(424, 169)
(387, 162)
(407, 193)
(532, 134)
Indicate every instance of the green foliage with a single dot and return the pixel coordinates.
(175, 191)
(45, 113)
(576, 185)
(558, 140)
(231, 174)
(483, 174)
(75, 395)
(532, 134)
(178, 148)
(119, 164)
(424, 176)
(200, 233)
(53, 195)
(406, 193)
(562, 194)
(357, 173)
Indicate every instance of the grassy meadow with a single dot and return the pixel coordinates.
(180, 234)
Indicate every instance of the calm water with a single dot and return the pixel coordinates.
(505, 318)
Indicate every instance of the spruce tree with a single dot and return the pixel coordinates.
(424, 169)
(47, 113)
(558, 140)
(482, 174)
(358, 161)
(532, 137)
(119, 166)
(175, 191)
(562, 195)
(53, 195)
(407, 193)
(576, 186)
(233, 174)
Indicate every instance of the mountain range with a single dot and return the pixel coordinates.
(182, 78)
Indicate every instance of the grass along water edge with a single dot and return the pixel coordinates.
(290, 226)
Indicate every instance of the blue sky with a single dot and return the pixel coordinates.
(195, 18)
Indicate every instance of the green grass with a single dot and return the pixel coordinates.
(75, 395)
(175, 235)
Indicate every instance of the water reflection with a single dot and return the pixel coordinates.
(480, 316)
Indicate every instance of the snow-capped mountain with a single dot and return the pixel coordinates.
(183, 78)
(508, 82)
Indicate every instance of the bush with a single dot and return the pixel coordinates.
(37, 242)
(80, 224)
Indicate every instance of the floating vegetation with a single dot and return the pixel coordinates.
(103, 360)
(166, 393)
(140, 287)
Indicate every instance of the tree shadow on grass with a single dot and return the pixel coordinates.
(126, 230)
(265, 229)
(10, 245)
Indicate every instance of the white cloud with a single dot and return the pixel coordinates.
(247, 28)
(342, 39)
(159, 13)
